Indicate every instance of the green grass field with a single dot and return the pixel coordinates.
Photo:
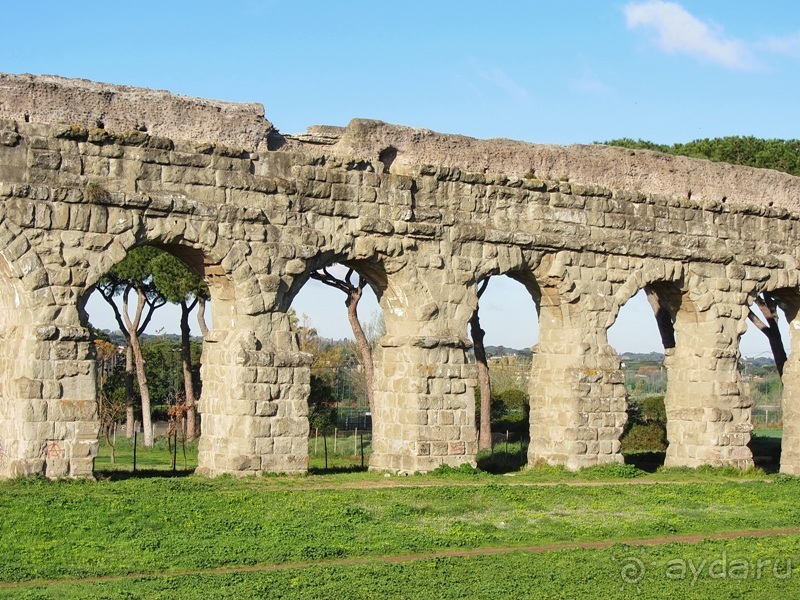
(455, 533)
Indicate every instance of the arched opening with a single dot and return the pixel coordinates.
(337, 318)
(766, 366)
(504, 330)
(149, 316)
(642, 342)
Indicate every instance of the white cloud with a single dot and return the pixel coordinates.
(503, 80)
(788, 45)
(589, 83)
(678, 31)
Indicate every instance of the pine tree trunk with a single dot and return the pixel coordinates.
(188, 383)
(130, 413)
(144, 391)
(776, 345)
(138, 360)
(363, 345)
(484, 383)
(201, 316)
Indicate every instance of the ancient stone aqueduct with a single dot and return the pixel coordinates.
(89, 171)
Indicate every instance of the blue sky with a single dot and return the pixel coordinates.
(550, 72)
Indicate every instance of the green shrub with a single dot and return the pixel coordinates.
(620, 470)
(651, 437)
(646, 430)
(515, 403)
(652, 409)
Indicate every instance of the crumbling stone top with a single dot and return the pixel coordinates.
(54, 100)
(611, 167)
(119, 108)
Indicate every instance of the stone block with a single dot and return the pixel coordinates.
(73, 410)
(27, 388)
(457, 448)
(575, 448)
(439, 448)
(264, 446)
(243, 463)
(266, 409)
(56, 467)
(282, 445)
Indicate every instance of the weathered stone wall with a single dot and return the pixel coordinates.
(121, 108)
(255, 223)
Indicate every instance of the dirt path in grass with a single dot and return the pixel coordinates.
(402, 482)
(405, 558)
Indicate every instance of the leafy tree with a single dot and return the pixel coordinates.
(307, 338)
(164, 366)
(780, 155)
(322, 412)
(134, 274)
(646, 429)
(179, 285)
(513, 401)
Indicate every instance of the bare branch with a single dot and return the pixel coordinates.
(756, 321)
(108, 296)
(663, 318)
(482, 286)
(325, 277)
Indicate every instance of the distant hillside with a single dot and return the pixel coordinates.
(642, 357)
(503, 351)
(118, 339)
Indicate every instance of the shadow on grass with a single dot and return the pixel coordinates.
(766, 451)
(338, 469)
(118, 475)
(649, 462)
(501, 461)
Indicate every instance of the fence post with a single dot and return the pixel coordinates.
(355, 442)
(175, 452)
(135, 435)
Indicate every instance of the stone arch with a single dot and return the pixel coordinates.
(241, 395)
(707, 410)
(577, 398)
(650, 273)
(784, 285)
(198, 244)
(410, 430)
(518, 267)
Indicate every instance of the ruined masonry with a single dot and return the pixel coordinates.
(89, 171)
